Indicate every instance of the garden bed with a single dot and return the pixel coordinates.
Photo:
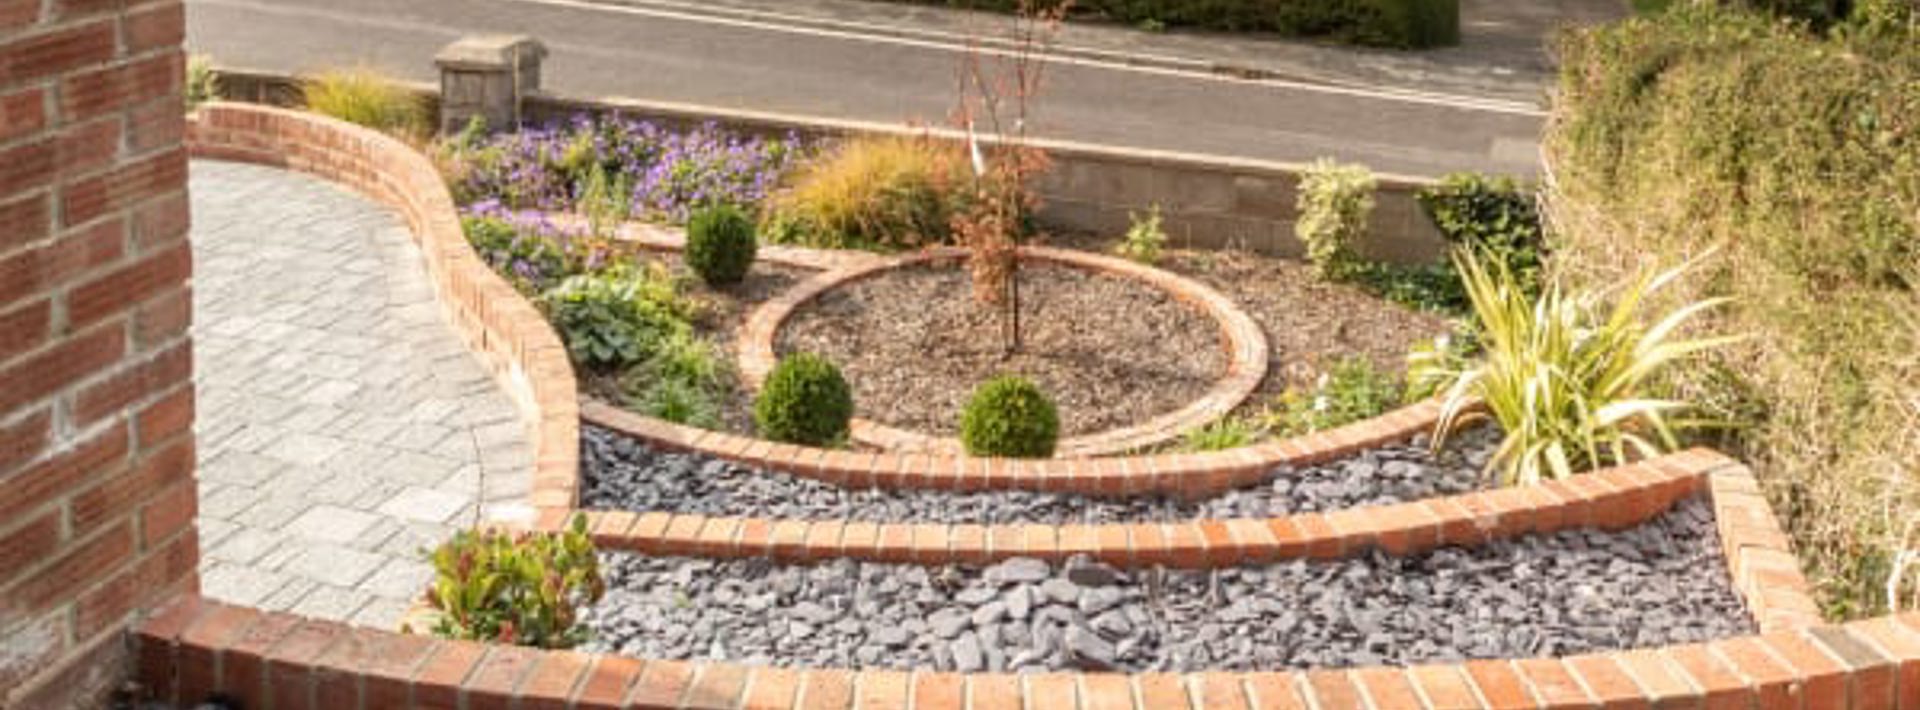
(1310, 323)
(1663, 582)
(1111, 351)
(621, 473)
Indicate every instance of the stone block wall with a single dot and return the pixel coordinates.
(96, 395)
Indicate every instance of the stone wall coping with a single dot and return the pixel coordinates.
(197, 647)
(1242, 340)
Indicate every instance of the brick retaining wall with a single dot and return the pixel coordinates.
(96, 393)
(274, 660)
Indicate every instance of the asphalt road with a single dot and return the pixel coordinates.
(616, 51)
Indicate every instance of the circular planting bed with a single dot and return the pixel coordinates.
(622, 473)
(1663, 582)
(1132, 356)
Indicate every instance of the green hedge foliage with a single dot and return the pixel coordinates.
(1797, 156)
(1409, 24)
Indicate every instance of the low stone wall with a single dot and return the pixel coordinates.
(511, 337)
(1208, 202)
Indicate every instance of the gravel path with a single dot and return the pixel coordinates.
(1573, 592)
(624, 474)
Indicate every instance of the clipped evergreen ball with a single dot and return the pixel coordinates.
(1010, 417)
(805, 401)
(720, 245)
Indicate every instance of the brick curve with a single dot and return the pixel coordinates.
(1795, 660)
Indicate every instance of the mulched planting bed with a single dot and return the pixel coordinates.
(1661, 583)
(913, 343)
(1309, 323)
(621, 473)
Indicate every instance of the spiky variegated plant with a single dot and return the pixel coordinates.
(1567, 376)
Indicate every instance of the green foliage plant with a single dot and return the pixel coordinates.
(1220, 435)
(1571, 381)
(1145, 240)
(1404, 24)
(1008, 416)
(804, 401)
(606, 200)
(203, 83)
(366, 98)
(619, 317)
(721, 245)
(683, 381)
(1351, 390)
(516, 588)
(871, 192)
(1799, 152)
(1335, 202)
(1495, 216)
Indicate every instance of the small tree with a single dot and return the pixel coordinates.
(997, 96)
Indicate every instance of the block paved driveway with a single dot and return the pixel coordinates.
(343, 425)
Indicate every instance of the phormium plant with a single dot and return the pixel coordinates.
(1571, 381)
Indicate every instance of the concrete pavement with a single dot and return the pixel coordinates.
(655, 54)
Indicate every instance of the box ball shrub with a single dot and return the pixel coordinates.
(720, 245)
(1009, 416)
(805, 401)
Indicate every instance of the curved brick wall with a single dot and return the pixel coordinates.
(195, 647)
(509, 334)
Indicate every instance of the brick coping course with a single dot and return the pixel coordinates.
(196, 646)
(1244, 343)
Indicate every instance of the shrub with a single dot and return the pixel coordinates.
(1220, 435)
(1145, 239)
(1798, 154)
(619, 317)
(682, 381)
(884, 192)
(1335, 202)
(532, 253)
(1009, 416)
(1350, 391)
(721, 245)
(804, 401)
(1494, 215)
(366, 98)
(203, 83)
(515, 588)
(1386, 23)
(664, 174)
(1433, 287)
(1571, 381)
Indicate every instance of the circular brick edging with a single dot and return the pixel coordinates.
(1242, 339)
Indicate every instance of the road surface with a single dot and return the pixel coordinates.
(662, 54)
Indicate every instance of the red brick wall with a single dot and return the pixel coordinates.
(96, 398)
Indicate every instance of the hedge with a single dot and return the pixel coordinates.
(1409, 24)
(1796, 156)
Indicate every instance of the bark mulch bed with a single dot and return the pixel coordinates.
(1310, 324)
(913, 343)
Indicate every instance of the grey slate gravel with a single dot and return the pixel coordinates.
(1661, 583)
(621, 473)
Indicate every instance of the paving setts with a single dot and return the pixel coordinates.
(343, 425)
(624, 474)
(1661, 583)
